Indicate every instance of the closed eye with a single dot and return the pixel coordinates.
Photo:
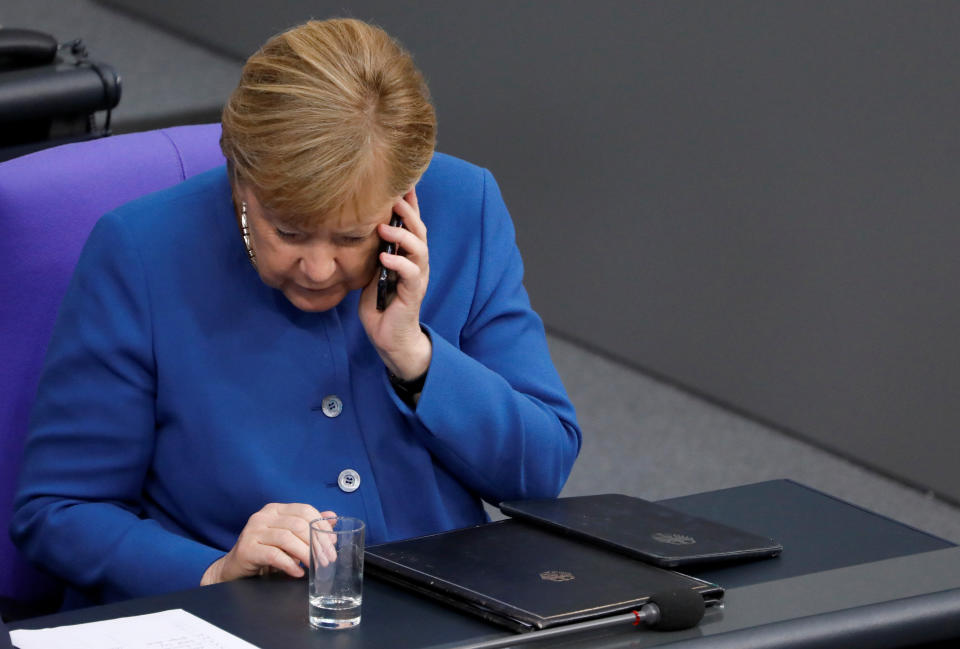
(353, 240)
(286, 234)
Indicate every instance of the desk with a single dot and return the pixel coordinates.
(846, 578)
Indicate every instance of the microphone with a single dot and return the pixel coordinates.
(672, 610)
(668, 610)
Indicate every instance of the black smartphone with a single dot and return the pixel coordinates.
(387, 281)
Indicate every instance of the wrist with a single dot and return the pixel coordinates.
(412, 365)
(212, 574)
(407, 381)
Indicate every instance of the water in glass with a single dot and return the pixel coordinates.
(330, 612)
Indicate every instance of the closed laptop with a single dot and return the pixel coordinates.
(648, 531)
(525, 577)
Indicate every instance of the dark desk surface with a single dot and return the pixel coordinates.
(840, 566)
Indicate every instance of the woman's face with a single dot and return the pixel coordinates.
(315, 268)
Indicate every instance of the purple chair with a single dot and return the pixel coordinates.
(49, 201)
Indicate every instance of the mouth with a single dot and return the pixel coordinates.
(319, 291)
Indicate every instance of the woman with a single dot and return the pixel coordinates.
(220, 372)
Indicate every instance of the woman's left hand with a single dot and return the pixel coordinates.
(395, 332)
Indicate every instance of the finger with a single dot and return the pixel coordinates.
(329, 540)
(295, 524)
(324, 548)
(410, 244)
(322, 537)
(324, 524)
(252, 556)
(331, 553)
(405, 267)
(301, 510)
(288, 542)
(409, 211)
(273, 557)
(330, 516)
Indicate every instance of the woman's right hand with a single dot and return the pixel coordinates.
(276, 537)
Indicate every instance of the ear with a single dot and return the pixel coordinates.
(240, 194)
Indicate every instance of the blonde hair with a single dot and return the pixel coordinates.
(324, 112)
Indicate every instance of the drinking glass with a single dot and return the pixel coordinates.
(336, 572)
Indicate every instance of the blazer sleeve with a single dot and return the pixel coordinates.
(493, 409)
(90, 445)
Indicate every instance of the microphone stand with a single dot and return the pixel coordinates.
(649, 614)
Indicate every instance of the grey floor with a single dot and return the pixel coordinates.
(641, 436)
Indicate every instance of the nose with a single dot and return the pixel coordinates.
(318, 263)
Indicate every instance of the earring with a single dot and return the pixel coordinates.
(245, 231)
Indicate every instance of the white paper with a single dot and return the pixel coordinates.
(174, 629)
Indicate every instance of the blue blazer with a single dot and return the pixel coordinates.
(181, 394)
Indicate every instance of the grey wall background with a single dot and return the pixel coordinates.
(754, 200)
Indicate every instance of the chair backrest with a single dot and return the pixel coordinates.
(49, 202)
